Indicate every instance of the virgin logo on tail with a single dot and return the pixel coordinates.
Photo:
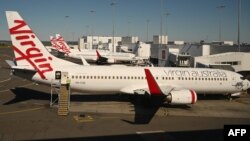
(60, 44)
(32, 54)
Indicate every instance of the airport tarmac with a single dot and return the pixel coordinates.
(25, 114)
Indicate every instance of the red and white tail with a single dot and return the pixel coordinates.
(29, 51)
(61, 44)
(53, 43)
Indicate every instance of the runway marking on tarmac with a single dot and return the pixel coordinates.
(83, 119)
(21, 111)
(17, 86)
(4, 91)
(5, 80)
(150, 132)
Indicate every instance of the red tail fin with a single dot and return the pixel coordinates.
(98, 54)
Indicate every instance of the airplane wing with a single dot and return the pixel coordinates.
(158, 94)
(84, 62)
(172, 94)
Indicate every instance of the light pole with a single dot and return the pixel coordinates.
(67, 26)
(147, 28)
(113, 21)
(129, 28)
(239, 15)
(161, 25)
(92, 28)
(166, 14)
(220, 7)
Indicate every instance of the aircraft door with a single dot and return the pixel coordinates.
(64, 77)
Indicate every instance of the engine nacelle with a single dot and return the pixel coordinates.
(111, 60)
(182, 97)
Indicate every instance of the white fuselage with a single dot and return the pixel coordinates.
(100, 79)
(88, 55)
(91, 56)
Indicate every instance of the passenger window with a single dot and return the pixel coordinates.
(72, 76)
(80, 77)
(77, 77)
(128, 77)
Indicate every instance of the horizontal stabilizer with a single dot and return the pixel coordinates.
(10, 63)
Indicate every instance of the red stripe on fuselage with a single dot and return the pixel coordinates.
(152, 84)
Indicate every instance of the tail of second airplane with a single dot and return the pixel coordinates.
(59, 44)
(30, 53)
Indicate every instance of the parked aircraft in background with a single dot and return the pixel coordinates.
(100, 56)
(61, 46)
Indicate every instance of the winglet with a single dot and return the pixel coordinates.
(152, 84)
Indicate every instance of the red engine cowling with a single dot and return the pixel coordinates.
(182, 97)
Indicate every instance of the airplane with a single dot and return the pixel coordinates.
(174, 85)
(62, 47)
(100, 56)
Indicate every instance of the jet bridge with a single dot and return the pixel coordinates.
(180, 60)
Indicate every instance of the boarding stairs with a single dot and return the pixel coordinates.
(63, 101)
(63, 97)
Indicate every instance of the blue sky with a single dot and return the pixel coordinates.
(189, 20)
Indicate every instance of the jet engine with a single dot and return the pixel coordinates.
(111, 60)
(182, 97)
